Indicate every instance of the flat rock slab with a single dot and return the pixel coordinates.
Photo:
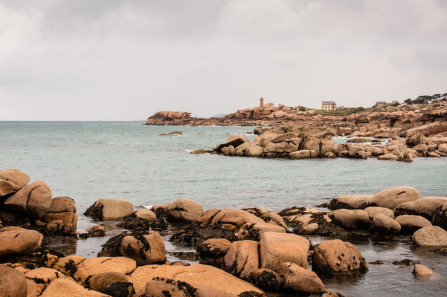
(196, 275)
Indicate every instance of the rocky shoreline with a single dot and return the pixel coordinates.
(254, 252)
(295, 142)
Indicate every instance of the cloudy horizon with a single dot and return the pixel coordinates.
(125, 60)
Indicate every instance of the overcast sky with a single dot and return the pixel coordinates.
(125, 60)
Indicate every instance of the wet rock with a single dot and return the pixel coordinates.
(405, 262)
(242, 258)
(425, 207)
(430, 236)
(274, 218)
(267, 279)
(337, 256)
(198, 152)
(292, 214)
(440, 216)
(146, 214)
(138, 224)
(388, 157)
(211, 292)
(68, 265)
(18, 241)
(96, 231)
(349, 201)
(36, 259)
(441, 251)
(109, 209)
(373, 211)
(303, 154)
(145, 247)
(12, 282)
(300, 280)
(228, 218)
(422, 271)
(391, 198)
(384, 225)
(67, 287)
(12, 180)
(181, 210)
(93, 266)
(411, 223)
(276, 248)
(33, 200)
(351, 219)
(41, 278)
(255, 231)
(212, 251)
(161, 287)
(195, 234)
(197, 276)
(63, 211)
(101, 281)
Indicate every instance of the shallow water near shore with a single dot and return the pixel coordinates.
(90, 160)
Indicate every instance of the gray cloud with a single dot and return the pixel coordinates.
(124, 60)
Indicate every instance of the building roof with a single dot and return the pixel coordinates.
(328, 102)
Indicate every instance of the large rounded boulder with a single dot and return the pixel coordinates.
(12, 180)
(196, 276)
(12, 282)
(348, 201)
(425, 207)
(351, 219)
(430, 236)
(181, 210)
(145, 247)
(411, 223)
(94, 266)
(32, 200)
(62, 210)
(337, 256)
(109, 209)
(277, 248)
(392, 198)
(18, 241)
(242, 259)
(300, 280)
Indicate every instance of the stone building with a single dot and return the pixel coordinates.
(381, 104)
(328, 105)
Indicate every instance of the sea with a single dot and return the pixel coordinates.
(128, 160)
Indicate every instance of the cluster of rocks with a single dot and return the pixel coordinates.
(32, 206)
(252, 251)
(429, 120)
(296, 142)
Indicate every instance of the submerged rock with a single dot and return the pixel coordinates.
(422, 271)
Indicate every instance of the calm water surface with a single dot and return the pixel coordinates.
(90, 160)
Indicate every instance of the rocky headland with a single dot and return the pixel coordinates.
(254, 252)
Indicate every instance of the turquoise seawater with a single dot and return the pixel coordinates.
(90, 160)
